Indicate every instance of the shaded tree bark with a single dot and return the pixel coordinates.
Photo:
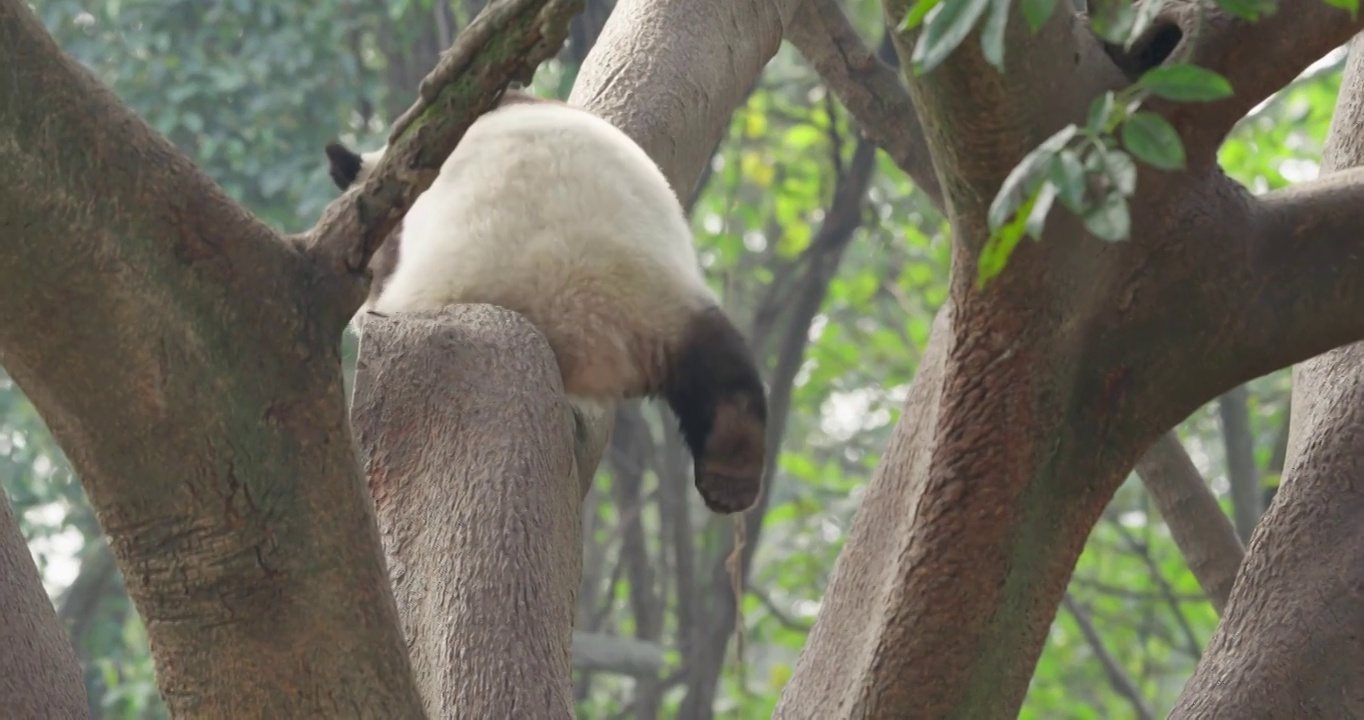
(1289, 645)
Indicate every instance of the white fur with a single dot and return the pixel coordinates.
(555, 213)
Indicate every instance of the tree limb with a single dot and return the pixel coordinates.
(1200, 528)
(467, 441)
(677, 104)
(1258, 57)
(870, 89)
(1243, 475)
(505, 42)
(1289, 283)
(615, 654)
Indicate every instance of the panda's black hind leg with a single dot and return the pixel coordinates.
(714, 388)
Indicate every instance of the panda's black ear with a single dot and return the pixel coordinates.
(344, 164)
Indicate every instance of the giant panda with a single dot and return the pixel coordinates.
(553, 212)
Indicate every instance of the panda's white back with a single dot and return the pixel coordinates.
(595, 250)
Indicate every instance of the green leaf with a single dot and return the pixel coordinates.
(1119, 169)
(995, 255)
(1038, 12)
(992, 35)
(1068, 175)
(944, 32)
(1152, 140)
(1018, 184)
(917, 13)
(1037, 217)
(1110, 221)
(1186, 83)
(1100, 112)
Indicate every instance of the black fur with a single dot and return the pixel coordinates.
(344, 164)
(713, 372)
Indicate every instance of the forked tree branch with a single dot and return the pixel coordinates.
(981, 122)
(505, 42)
(870, 89)
(1258, 57)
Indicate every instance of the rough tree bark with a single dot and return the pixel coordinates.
(1289, 645)
(1037, 394)
(469, 446)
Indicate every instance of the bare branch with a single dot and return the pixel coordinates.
(1201, 530)
(1259, 57)
(1117, 676)
(1242, 473)
(467, 439)
(615, 654)
(506, 42)
(870, 89)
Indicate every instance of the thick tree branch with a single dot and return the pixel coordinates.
(1299, 276)
(1200, 528)
(185, 358)
(505, 42)
(467, 440)
(870, 89)
(1257, 57)
(669, 73)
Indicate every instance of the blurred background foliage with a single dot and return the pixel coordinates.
(838, 298)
